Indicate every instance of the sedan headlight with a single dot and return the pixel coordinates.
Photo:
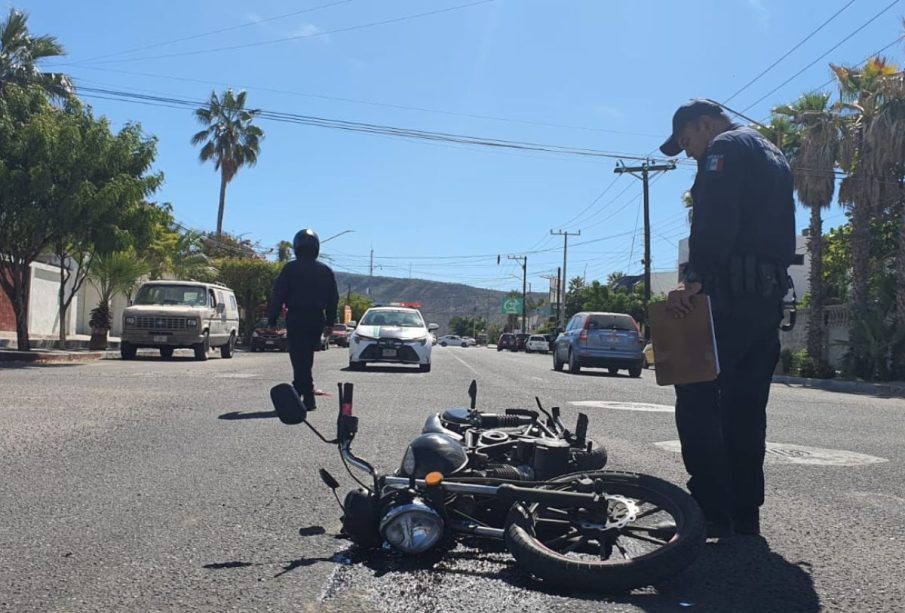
(130, 321)
(191, 322)
(412, 528)
(421, 341)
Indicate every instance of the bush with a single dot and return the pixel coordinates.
(786, 357)
(800, 364)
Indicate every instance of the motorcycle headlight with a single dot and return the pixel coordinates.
(191, 322)
(130, 321)
(412, 528)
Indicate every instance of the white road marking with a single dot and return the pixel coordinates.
(536, 378)
(625, 406)
(786, 453)
(236, 375)
(466, 364)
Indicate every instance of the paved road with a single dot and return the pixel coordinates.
(170, 486)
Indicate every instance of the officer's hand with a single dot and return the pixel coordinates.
(678, 302)
(328, 331)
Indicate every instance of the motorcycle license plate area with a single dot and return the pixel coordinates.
(389, 353)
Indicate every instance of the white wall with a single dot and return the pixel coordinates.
(43, 306)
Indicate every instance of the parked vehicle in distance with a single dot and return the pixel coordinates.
(507, 341)
(340, 335)
(521, 338)
(600, 340)
(482, 339)
(469, 341)
(169, 315)
(648, 355)
(537, 343)
(391, 334)
(264, 338)
(452, 339)
(551, 339)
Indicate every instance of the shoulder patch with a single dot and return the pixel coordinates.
(714, 163)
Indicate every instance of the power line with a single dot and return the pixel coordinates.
(789, 52)
(826, 53)
(209, 33)
(299, 36)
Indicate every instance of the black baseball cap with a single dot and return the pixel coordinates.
(687, 112)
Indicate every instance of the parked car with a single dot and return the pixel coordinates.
(520, 339)
(340, 335)
(600, 340)
(169, 315)
(507, 341)
(648, 355)
(452, 339)
(469, 341)
(264, 338)
(391, 334)
(537, 343)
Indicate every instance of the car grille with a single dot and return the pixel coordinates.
(160, 323)
(404, 353)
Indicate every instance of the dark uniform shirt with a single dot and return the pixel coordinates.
(308, 289)
(743, 210)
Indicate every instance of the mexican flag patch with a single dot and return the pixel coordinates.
(714, 163)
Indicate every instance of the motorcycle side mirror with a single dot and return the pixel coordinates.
(289, 406)
(328, 479)
(473, 393)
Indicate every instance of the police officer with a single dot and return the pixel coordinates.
(741, 243)
(308, 289)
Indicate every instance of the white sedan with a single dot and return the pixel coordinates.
(391, 334)
(452, 339)
(538, 343)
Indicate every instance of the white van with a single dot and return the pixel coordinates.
(168, 315)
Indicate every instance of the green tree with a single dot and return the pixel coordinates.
(102, 181)
(20, 56)
(467, 326)
(230, 139)
(112, 273)
(28, 131)
(284, 251)
(813, 165)
(359, 304)
(252, 281)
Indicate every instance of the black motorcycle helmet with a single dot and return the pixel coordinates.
(306, 244)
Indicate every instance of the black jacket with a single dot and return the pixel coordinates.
(743, 205)
(308, 289)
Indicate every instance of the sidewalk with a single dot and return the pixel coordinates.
(892, 389)
(73, 342)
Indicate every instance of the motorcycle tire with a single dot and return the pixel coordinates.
(361, 519)
(574, 555)
(585, 460)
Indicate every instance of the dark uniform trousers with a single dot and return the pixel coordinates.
(304, 332)
(722, 424)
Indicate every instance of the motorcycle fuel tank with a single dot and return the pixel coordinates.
(433, 452)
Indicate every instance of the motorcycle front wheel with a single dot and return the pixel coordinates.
(650, 531)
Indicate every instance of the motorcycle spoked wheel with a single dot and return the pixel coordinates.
(570, 546)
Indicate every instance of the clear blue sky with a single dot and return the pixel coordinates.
(580, 73)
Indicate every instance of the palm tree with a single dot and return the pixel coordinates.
(111, 273)
(229, 139)
(20, 54)
(813, 164)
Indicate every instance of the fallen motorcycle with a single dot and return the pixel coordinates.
(595, 530)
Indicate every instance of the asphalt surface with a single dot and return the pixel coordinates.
(170, 486)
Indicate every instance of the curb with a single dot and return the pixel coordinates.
(845, 387)
(41, 357)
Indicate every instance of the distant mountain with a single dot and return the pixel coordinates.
(440, 301)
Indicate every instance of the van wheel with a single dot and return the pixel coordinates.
(202, 348)
(166, 352)
(127, 350)
(226, 351)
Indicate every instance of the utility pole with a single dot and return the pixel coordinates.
(371, 272)
(524, 261)
(645, 169)
(560, 316)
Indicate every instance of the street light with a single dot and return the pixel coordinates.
(336, 235)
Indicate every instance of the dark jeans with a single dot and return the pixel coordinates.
(723, 424)
(304, 339)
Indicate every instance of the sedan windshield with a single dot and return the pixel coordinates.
(183, 295)
(403, 319)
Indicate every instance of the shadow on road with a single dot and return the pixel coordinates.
(235, 415)
(387, 369)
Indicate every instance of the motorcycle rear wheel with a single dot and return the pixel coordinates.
(570, 546)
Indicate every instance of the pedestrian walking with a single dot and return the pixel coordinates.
(307, 288)
(741, 243)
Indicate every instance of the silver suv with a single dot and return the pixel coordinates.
(169, 315)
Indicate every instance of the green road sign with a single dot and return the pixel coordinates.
(512, 306)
